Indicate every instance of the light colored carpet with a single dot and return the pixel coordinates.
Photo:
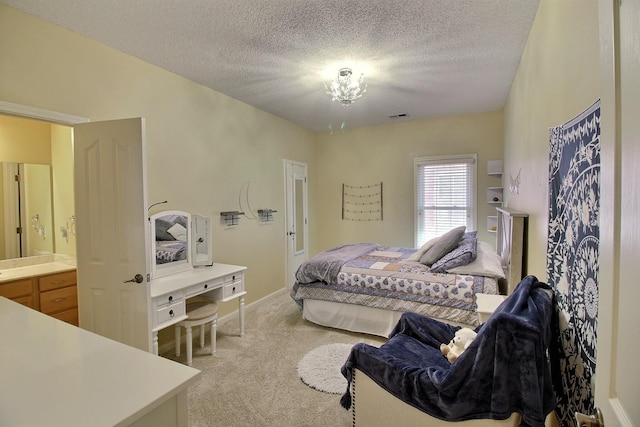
(320, 368)
(253, 380)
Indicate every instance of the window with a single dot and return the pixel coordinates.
(444, 195)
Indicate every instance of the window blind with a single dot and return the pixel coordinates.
(445, 195)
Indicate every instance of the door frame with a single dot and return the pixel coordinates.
(288, 253)
(40, 114)
(35, 113)
(609, 342)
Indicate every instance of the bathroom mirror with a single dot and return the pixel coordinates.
(26, 207)
(201, 247)
(171, 243)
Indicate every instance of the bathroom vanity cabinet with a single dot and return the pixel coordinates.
(50, 288)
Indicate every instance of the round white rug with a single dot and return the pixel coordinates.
(320, 368)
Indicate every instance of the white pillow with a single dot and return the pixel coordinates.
(178, 232)
(424, 248)
(487, 263)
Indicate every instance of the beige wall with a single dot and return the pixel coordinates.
(385, 154)
(558, 77)
(24, 141)
(202, 146)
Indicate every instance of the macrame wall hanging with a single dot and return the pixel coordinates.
(362, 203)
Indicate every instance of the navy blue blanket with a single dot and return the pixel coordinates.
(504, 370)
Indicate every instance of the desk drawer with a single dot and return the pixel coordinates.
(57, 281)
(169, 299)
(231, 278)
(168, 312)
(204, 287)
(59, 300)
(233, 288)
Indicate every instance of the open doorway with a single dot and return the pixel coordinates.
(37, 191)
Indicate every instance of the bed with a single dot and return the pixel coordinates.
(365, 287)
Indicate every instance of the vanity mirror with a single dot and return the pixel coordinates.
(171, 244)
(201, 248)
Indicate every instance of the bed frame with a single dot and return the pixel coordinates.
(355, 318)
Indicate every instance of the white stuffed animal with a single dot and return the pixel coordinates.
(458, 344)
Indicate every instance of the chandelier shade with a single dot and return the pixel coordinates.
(344, 89)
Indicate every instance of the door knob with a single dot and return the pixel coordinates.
(291, 233)
(595, 420)
(138, 278)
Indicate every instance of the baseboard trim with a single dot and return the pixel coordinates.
(171, 345)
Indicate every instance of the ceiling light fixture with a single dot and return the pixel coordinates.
(344, 89)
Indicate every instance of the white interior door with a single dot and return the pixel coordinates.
(296, 221)
(112, 230)
(617, 388)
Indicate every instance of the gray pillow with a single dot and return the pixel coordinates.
(445, 244)
(463, 254)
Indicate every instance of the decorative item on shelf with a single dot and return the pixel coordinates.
(266, 215)
(492, 223)
(345, 90)
(494, 195)
(231, 217)
(362, 203)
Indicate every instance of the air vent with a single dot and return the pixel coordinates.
(399, 116)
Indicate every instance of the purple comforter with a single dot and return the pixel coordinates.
(325, 266)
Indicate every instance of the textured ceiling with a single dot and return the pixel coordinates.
(424, 58)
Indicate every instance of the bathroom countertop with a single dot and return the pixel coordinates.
(56, 374)
(17, 273)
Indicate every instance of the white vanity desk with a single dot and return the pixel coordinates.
(220, 282)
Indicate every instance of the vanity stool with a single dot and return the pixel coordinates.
(198, 314)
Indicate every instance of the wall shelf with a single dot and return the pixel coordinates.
(494, 167)
(231, 217)
(266, 215)
(495, 195)
(492, 223)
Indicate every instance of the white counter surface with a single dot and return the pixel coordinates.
(55, 374)
(10, 274)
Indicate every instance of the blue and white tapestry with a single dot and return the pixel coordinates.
(573, 255)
